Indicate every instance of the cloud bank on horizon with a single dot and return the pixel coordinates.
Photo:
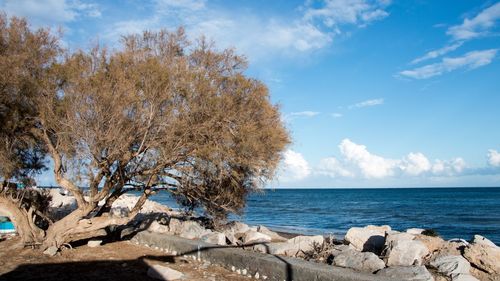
(357, 162)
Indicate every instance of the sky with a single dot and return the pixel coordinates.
(375, 93)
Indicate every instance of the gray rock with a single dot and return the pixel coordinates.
(127, 232)
(94, 243)
(483, 257)
(51, 251)
(407, 273)
(365, 261)
(192, 230)
(158, 228)
(478, 239)
(235, 229)
(292, 247)
(405, 253)
(162, 272)
(275, 237)
(255, 237)
(463, 277)
(415, 231)
(451, 265)
(369, 238)
(216, 238)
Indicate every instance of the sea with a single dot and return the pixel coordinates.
(452, 212)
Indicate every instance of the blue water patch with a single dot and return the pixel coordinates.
(7, 227)
(452, 212)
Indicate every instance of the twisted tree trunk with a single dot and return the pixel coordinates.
(23, 221)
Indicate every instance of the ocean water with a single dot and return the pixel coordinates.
(452, 212)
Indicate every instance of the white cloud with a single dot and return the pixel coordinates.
(415, 164)
(337, 115)
(333, 168)
(470, 60)
(367, 103)
(371, 165)
(354, 12)
(476, 26)
(254, 35)
(193, 5)
(437, 53)
(494, 158)
(293, 167)
(357, 162)
(305, 113)
(50, 11)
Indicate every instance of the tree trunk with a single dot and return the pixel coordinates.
(23, 222)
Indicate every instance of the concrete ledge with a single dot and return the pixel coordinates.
(276, 268)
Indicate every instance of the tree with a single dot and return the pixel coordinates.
(160, 113)
(25, 60)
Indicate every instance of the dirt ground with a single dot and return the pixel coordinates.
(121, 260)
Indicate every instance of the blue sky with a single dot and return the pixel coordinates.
(375, 93)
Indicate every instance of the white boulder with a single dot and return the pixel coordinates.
(478, 239)
(370, 238)
(215, 238)
(464, 277)
(405, 252)
(192, 230)
(484, 257)
(407, 273)
(255, 237)
(156, 227)
(363, 261)
(415, 231)
(451, 265)
(292, 247)
(94, 243)
(274, 236)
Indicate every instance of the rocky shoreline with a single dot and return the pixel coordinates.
(412, 254)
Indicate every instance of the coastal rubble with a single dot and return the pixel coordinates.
(375, 249)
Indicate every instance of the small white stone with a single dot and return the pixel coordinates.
(244, 272)
(94, 243)
(256, 275)
(264, 277)
(238, 271)
(233, 269)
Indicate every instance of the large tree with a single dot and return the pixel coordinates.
(158, 113)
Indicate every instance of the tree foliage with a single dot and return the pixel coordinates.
(159, 113)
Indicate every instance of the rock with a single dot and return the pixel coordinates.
(60, 200)
(407, 273)
(94, 243)
(451, 265)
(364, 261)
(51, 251)
(158, 228)
(292, 247)
(162, 272)
(478, 239)
(405, 253)
(275, 237)
(483, 257)
(236, 228)
(126, 232)
(216, 238)
(391, 237)
(370, 238)
(464, 277)
(128, 201)
(192, 230)
(415, 231)
(432, 243)
(175, 226)
(255, 237)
